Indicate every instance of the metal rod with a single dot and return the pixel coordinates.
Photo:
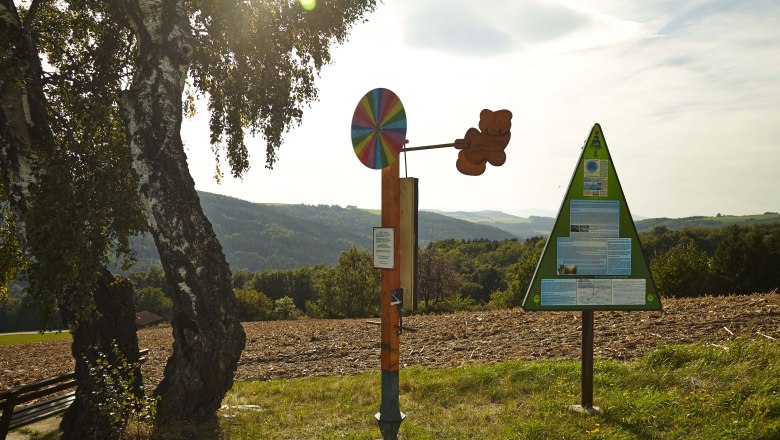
(406, 164)
(587, 359)
(427, 147)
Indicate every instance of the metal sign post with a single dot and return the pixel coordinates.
(586, 404)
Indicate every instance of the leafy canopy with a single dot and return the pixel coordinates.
(81, 202)
(256, 62)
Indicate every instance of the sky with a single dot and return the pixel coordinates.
(687, 95)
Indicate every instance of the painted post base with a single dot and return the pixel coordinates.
(389, 428)
(583, 410)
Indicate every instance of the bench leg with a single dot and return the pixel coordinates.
(5, 420)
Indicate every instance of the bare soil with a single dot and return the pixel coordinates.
(311, 347)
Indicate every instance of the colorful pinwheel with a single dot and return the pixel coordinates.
(378, 128)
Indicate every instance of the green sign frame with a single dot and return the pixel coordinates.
(593, 259)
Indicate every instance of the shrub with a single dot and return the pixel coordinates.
(284, 308)
(253, 305)
(118, 395)
(349, 290)
(682, 271)
(458, 303)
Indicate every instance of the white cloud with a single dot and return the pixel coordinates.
(687, 95)
(468, 28)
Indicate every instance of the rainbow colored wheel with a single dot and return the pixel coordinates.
(378, 128)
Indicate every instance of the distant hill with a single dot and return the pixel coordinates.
(258, 236)
(706, 222)
(522, 227)
(531, 226)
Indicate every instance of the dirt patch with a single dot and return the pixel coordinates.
(286, 349)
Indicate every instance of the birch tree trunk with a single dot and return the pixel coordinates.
(208, 338)
(115, 324)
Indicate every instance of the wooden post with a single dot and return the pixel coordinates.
(390, 416)
(408, 242)
(587, 359)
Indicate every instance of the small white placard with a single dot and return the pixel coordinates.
(384, 246)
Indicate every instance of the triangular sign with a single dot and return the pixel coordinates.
(593, 259)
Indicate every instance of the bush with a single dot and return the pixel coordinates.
(253, 305)
(349, 290)
(284, 308)
(458, 303)
(119, 394)
(682, 271)
(295, 283)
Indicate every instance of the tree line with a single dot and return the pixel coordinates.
(472, 274)
(468, 274)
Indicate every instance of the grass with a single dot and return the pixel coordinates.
(691, 391)
(27, 338)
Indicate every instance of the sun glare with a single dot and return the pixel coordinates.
(308, 4)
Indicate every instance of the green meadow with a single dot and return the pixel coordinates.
(675, 392)
(27, 338)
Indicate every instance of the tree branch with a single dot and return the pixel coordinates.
(30, 16)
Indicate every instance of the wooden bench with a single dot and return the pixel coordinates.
(14, 417)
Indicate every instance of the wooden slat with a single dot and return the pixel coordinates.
(43, 409)
(48, 391)
(36, 385)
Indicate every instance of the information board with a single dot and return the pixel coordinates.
(593, 259)
(384, 248)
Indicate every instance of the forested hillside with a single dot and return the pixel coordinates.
(258, 236)
(533, 226)
(718, 221)
(522, 227)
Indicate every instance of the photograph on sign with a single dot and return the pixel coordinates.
(595, 178)
(594, 291)
(384, 246)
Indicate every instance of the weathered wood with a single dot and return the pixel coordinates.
(486, 144)
(587, 359)
(391, 278)
(390, 416)
(408, 242)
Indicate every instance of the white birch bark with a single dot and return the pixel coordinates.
(208, 338)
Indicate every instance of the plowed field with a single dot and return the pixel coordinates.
(285, 349)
